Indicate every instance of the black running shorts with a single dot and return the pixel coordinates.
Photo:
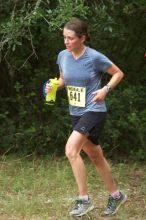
(90, 123)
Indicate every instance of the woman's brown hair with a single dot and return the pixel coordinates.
(79, 26)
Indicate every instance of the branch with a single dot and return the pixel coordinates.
(33, 50)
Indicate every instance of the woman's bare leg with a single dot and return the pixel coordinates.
(73, 148)
(95, 154)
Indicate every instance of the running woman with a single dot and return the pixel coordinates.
(81, 69)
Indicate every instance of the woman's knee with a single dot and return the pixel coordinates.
(74, 145)
(96, 155)
(70, 152)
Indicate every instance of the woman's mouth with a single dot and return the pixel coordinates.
(68, 47)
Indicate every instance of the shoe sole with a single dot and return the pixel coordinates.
(122, 202)
(84, 213)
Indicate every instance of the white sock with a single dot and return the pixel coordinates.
(85, 197)
(116, 194)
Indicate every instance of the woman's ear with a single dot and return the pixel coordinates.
(83, 38)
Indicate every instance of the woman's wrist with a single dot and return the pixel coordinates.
(108, 88)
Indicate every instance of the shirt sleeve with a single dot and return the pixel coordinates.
(102, 63)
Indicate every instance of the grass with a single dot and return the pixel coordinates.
(43, 189)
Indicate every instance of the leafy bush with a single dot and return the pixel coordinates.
(30, 41)
(125, 130)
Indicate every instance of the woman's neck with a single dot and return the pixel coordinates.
(78, 53)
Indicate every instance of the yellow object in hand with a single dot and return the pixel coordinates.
(51, 96)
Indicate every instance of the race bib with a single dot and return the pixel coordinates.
(76, 95)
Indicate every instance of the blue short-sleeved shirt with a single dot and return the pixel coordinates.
(82, 77)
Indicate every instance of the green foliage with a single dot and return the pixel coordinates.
(66, 9)
(30, 41)
(126, 123)
(32, 133)
(19, 26)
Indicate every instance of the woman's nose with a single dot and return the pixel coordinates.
(65, 40)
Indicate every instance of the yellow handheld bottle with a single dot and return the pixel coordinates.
(51, 96)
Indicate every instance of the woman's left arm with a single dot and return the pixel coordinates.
(117, 76)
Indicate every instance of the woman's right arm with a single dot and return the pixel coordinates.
(61, 81)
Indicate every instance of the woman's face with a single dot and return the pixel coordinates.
(72, 41)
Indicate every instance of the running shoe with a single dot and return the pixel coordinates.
(113, 205)
(81, 207)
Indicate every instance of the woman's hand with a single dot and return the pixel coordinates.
(100, 94)
(48, 88)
